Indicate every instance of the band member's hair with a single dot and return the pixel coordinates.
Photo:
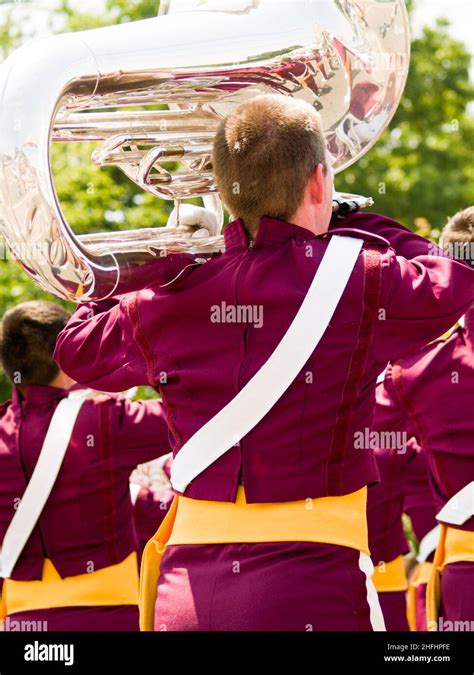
(264, 154)
(457, 237)
(28, 335)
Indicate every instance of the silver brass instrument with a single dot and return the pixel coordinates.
(199, 58)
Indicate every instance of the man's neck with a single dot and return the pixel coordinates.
(316, 228)
(305, 217)
(62, 381)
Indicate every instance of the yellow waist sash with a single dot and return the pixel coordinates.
(330, 520)
(113, 585)
(391, 576)
(454, 546)
(420, 576)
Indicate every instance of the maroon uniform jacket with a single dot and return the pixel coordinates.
(434, 391)
(400, 295)
(87, 522)
(404, 488)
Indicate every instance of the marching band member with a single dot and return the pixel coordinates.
(403, 489)
(419, 579)
(78, 568)
(420, 507)
(269, 529)
(433, 389)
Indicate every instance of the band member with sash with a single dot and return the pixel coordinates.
(403, 489)
(267, 357)
(433, 390)
(420, 507)
(76, 565)
(419, 578)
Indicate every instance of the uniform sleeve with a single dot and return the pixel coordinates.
(421, 299)
(423, 291)
(140, 431)
(389, 414)
(418, 501)
(403, 241)
(98, 347)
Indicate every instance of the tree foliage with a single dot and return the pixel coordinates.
(419, 172)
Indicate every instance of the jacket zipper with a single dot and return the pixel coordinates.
(245, 335)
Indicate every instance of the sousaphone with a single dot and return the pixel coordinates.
(198, 59)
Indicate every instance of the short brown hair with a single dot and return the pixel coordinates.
(28, 335)
(264, 154)
(457, 237)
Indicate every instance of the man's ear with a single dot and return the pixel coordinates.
(317, 182)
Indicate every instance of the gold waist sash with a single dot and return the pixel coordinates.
(113, 585)
(391, 576)
(454, 546)
(331, 520)
(420, 576)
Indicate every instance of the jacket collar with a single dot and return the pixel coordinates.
(36, 394)
(270, 231)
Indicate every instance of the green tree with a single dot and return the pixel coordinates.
(11, 33)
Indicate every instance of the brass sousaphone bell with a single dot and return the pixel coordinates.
(199, 58)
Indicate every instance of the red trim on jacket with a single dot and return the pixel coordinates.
(371, 295)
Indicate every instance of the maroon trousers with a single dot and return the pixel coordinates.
(285, 586)
(457, 596)
(116, 618)
(394, 609)
(420, 607)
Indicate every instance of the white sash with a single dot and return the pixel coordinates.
(459, 508)
(261, 393)
(381, 377)
(41, 483)
(134, 492)
(428, 544)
